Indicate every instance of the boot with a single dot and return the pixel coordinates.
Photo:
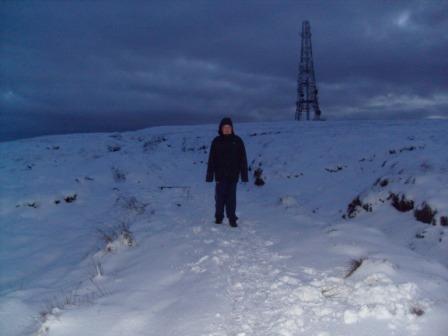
(233, 223)
(218, 221)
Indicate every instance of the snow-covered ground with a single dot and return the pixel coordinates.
(113, 234)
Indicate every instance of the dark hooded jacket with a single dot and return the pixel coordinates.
(227, 158)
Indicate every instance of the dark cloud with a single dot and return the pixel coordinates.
(74, 66)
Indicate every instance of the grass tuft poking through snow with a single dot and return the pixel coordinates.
(119, 235)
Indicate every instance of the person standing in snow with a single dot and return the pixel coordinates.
(226, 163)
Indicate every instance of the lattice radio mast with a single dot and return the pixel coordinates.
(306, 82)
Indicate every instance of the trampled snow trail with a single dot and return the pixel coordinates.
(247, 271)
(249, 274)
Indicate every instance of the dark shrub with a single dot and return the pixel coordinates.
(113, 148)
(417, 311)
(334, 170)
(400, 202)
(419, 235)
(425, 214)
(70, 198)
(118, 175)
(367, 207)
(155, 141)
(410, 148)
(258, 179)
(381, 182)
(351, 208)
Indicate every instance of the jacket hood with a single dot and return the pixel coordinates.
(225, 121)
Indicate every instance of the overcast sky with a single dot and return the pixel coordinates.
(75, 66)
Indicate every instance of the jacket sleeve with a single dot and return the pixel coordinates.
(243, 167)
(211, 163)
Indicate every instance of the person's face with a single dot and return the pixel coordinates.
(226, 129)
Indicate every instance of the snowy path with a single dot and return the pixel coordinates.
(256, 283)
(247, 271)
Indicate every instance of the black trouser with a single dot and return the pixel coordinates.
(225, 196)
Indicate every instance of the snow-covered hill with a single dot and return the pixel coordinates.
(113, 234)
